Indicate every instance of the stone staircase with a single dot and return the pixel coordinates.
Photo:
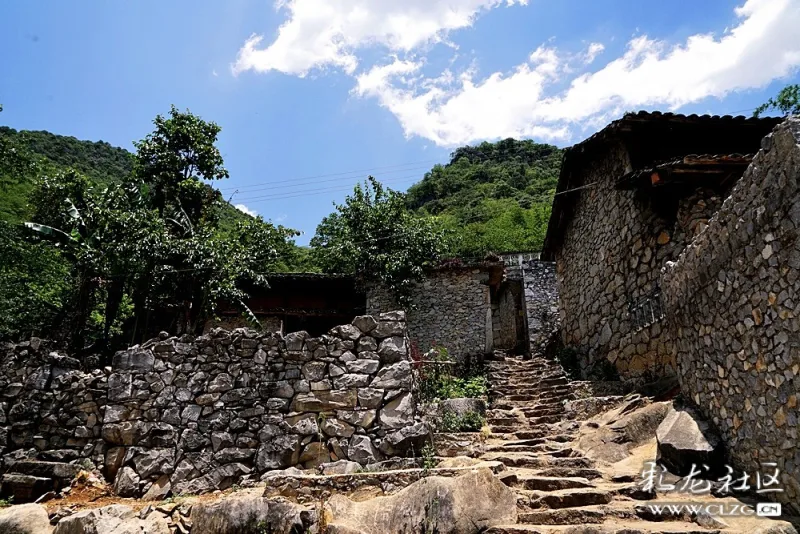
(558, 489)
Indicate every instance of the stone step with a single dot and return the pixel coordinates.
(537, 483)
(553, 449)
(568, 472)
(505, 421)
(511, 459)
(537, 411)
(544, 420)
(544, 432)
(571, 498)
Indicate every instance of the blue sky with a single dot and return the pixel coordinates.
(312, 93)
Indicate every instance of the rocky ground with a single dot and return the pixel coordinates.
(556, 457)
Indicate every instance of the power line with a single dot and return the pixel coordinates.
(340, 180)
(315, 191)
(315, 177)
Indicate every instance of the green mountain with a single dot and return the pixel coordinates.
(495, 197)
(98, 161)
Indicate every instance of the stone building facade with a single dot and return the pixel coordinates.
(469, 309)
(198, 414)
(538, 279)
(731, 299)
(629, 199)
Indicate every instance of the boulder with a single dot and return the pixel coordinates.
(398, 412)
(324, 401)
(314, 454)
(342, 467)
(612, 435)
(346, 331)
(389, 328)
(25, 519)
(278, 453)
(362, 450)
(397, 315)
(396, 376)
(468, 504)
(159, 490)
(127, 483)
(685, 439)
(392, 349)
(251, 513)
(365, 323)
(116, 519)
(370, 398)
(336, 428)
(412, 437)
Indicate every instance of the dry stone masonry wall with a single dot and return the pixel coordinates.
(451, 308)
(193, 415)
(541, 302)
(611, 259)
(49, 406)
(732, 298)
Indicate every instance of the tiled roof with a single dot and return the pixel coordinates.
(651, 136)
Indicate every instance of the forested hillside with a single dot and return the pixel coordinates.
(494, 197)
(117, 245)
(49, 153)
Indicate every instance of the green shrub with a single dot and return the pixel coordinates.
(439, 380)
(469, 422)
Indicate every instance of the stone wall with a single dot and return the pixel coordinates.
(541, 302)
(49, 407)
(732, 300)
(612, 254)
(198, 414)
(452, 308)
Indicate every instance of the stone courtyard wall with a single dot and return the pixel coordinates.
(203, 413)
(732, 300)
(49, 406)
(452, 308)
(612, 254)
(541, 302)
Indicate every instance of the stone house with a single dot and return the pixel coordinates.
(629, 199)
(471, 309)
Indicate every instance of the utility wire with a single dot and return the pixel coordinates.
(359, 177)
(315, 177)
(315, 191)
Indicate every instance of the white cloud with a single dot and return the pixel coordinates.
(553, 95)
(764, 46)
(594, 50)
(327, 33)
(245, 209)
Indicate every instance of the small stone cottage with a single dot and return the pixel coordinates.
(471, 309)
(629, 199)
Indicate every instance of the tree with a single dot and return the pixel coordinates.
(145, 246)
(16, 163)
(374, 236)
(787, 101)
(105, 233)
